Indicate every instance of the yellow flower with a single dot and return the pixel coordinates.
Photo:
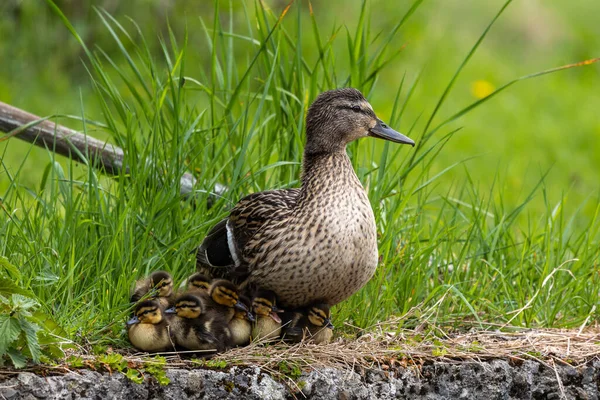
(481, 88)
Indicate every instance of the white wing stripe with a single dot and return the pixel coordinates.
(231, 245)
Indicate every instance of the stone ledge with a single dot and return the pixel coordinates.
(494, 379)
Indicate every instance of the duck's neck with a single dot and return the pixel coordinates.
(326, 172)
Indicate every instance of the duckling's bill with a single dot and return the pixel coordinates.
(275, 317)
(241, 306)
(382, 131)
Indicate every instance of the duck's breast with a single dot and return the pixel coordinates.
(326, 252)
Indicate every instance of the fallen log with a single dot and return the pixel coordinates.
(69, 143)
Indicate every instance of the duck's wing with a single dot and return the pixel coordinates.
(221, 252)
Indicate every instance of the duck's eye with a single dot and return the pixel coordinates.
(356, 108)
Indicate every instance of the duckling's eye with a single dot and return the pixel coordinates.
(356, 108)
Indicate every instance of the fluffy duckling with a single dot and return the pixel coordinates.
(268, 323)
(313, 326)
(240, 325)
(224, 299)
(193, 329)
(161, 282)
(199, 283)
(148, 329)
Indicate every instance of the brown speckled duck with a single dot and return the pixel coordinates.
(316, 243)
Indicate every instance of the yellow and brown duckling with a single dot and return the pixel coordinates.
(313, 243)
(223, 299)
(268, 323)
(194, 329)
(313, 325)
(148, 329)
(161, 282)
(199, 283)
(240, 325)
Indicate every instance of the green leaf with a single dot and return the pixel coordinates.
(23, 303)
(9, 332)
(49, 324)
(8, 287)
(17, 358)
(12, 270)
(30, 329)
(135, 376)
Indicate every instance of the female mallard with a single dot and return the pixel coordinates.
(316, 243)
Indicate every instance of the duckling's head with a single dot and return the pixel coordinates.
(263, 305)
(162, 282)
(227, 294)
(186, 306)
(199, 282)
(319, 315)
(337, 117)
(147, 312)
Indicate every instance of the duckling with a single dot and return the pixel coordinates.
(193, 329)
(148, 329)
(198, 283)
(323, 231)
(312, 326)
(161, 281)
(240, 325)
(223, 299)
(268, 323)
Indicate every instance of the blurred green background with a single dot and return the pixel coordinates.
(551, 123)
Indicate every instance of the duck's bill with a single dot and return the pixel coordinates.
(275, 317)
(328, 324)
(133, 321)
(250, 316)
(277, 309)
(382, 131)
(241, 306)
(171, 310)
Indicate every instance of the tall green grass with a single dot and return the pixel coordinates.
(450, 253)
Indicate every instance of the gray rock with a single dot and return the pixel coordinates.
(495, 379)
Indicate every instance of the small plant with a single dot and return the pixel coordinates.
(290, 369)
(25, 332)
(155, 366)
(216, 364)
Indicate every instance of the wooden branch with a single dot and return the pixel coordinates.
(70, 143)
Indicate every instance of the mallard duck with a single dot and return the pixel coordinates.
(160, 281)
(193, 329)
(313, 325)
(148, 329)
(268, 323)
(313, 243)
(240, 325)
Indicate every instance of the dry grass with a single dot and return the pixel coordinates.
(386, 347)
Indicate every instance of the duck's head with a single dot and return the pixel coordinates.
(320, 315)
(146, 312)
(227, 294)
(162, 282)
(199, 282)
(263, 305)
(241, 314)
(337, 117)
(186, 306)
